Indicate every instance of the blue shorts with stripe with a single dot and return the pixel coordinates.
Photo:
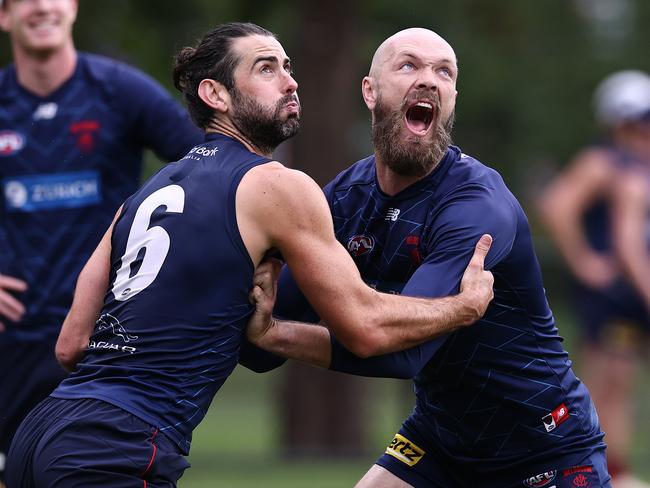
(87, 442)
(422, 465)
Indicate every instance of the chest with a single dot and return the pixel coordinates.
(386, 238)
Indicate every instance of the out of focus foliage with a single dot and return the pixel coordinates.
(527, 68)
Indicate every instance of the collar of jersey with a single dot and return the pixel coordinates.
(430, 181)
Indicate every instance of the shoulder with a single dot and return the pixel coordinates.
(471, 181)
(272, 189)
(117, 76)
(360, 173)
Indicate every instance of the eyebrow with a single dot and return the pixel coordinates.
(270, 59)
(414, 56)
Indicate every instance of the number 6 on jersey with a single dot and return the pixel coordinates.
(154, 240)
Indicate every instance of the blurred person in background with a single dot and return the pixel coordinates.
(597, 213)
(497, 404)
(73, 128)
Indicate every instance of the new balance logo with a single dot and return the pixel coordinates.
(392, 214)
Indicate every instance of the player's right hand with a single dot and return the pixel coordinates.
(476, 286)
(10, 307)
(263, 294)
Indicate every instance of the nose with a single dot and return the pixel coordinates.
(291, 84)
(427, 81)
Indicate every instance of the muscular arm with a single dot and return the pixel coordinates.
(456, 229)
(563, 205)
(630, 221)
(285, 209)
(86, 305)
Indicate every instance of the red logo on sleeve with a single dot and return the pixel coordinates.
(556, 417)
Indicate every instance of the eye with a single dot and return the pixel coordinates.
(446, 71)
(288, 69)
(407, 66)
(266, 69)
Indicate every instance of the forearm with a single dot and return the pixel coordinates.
(402, 365)
(309, 343)
(258, 360)
(403, 322)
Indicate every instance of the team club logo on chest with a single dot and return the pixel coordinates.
(360, 244)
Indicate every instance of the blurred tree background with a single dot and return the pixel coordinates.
(527, 72)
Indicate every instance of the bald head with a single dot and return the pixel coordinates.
(415, 37)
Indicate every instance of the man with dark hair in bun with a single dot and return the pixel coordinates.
(160, 308)
(73, 129)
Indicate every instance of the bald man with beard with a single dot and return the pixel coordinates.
(497, 403)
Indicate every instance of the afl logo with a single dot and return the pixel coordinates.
(360, 245)
(10, 142)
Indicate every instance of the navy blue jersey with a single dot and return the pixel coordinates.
(173, 318)
(67, 162)
(502, 391)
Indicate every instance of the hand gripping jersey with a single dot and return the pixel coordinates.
(493, 396)
(173, 318)
(67, 162)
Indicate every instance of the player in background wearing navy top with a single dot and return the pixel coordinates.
(497, 404)
(160, 308)
(73, 128)
(602, 194)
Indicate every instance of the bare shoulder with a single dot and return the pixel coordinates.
(593, 164)
(273, 188)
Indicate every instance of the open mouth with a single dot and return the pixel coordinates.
(419, 117)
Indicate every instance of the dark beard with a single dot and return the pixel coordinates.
(414, 156)
(263, 127)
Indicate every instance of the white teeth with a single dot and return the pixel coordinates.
(425, 105)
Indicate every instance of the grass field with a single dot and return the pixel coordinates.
(236, 445)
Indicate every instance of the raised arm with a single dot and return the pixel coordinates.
(285, 209)
(88, 300)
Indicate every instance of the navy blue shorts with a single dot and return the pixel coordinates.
(613, 316)
(28, 374)
(87, 442)
(412, 460)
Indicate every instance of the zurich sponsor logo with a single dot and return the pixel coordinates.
(10, 142)
(52, 191)
(360, 244)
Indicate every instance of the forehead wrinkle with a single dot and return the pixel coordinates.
(388, 48)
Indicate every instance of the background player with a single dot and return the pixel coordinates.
(611, 290)
(497, 403)
(73, 127)
(178, 265)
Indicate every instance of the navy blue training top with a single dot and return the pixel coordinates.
(172, 322)
(67, 162)
(484, 392)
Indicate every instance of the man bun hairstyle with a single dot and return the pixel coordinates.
(212, 58)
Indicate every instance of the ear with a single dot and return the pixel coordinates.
(214, 95)
(369, 92)
(75, 4)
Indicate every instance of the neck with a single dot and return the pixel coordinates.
(392, 183)
(42, 74)
(228, 129)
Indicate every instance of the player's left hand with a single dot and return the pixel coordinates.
(263, 294)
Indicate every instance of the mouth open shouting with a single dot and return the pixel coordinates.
(419, 116)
